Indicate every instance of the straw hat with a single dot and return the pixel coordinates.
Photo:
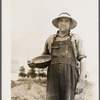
(66, 15)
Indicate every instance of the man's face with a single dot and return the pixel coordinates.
(64, 24)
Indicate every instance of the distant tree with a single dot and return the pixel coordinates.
(31, 73)
(42, 74)
(22, 71)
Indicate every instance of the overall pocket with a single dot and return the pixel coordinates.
(55, 51)
(65, 51)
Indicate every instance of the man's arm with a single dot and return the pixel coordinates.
(82, 69)
(82, 59)
(81, 80)
(46, 50)
(47, 47)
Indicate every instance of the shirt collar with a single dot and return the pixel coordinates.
(57, 34)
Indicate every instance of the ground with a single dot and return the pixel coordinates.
(35, 89)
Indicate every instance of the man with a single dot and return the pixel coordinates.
(66, 50)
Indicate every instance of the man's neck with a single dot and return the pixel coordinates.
(62, 34)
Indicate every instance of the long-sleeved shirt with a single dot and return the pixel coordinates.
(75, 39)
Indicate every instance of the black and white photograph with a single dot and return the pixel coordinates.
(50, 50)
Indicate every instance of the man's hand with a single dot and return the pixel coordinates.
(32, 65)
(79, 87)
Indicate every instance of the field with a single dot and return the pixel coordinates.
(35, 89)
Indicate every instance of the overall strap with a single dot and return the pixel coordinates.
(74, 48)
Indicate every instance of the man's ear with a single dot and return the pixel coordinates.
(70, 25)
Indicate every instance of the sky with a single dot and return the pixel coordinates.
(28, 23)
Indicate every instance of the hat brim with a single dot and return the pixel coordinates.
(72, 25)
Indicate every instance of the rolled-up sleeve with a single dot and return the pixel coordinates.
(80, 49)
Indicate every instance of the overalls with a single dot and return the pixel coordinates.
(62, 74)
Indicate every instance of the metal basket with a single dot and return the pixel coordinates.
(40, 61)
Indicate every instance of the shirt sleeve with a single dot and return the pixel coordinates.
(46, 50)
(80, 49)
(47, 46)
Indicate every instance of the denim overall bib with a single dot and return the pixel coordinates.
(62, 73)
